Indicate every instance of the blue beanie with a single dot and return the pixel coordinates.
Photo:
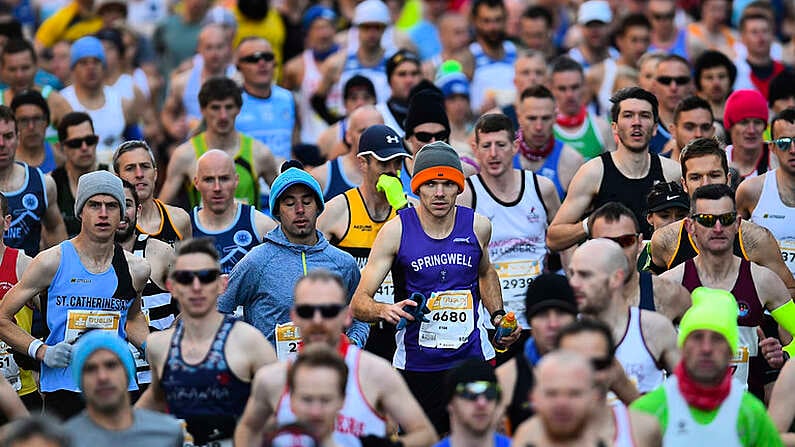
(288, 178)
(88, 46)
(92, 341)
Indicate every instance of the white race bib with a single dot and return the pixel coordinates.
(9, 366)
(79, 321)
(386, 293)
(787, 247)
(452, 320)
(288, 340)
(747, 347)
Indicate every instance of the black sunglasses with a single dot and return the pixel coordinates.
(308, 311)
(666, 16)
(625, 240)
(185, 277)
(679, 80)
(258, 56)
(473, 390)
(709, 220)
(783, 143)
(601, 364)
(425, 137)
(77, 143)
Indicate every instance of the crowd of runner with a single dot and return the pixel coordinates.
(397, 223)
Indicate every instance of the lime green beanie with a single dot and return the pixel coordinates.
(714, 310)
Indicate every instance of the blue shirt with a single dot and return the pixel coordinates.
(499, 441)
(270, 120)
(262, 282)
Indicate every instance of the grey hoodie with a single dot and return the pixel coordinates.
(263, 281)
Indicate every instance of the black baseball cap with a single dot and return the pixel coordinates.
(667, 195)
(382, 143)
(549, 290)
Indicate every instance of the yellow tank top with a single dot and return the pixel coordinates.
(362, 229)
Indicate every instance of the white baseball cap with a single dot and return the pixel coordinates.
(594, 11)
(371, 11)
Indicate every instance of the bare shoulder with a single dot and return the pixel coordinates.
(755, 236)
(569, 155)
(184, 153)
(178, 215)
(139, 267)
(158, 249)
(751, 189)
(157, 344)
(663, 242)
(671, 169)
(482, 227)
(178, 82)
(246, 336)
(46, 263)
(668, 282)
(271, 378)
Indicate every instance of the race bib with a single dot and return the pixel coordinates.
(9, 366)
(288, 341)
(79, 321)
(747, 347)
(452, 320)
(787, 247)
(386, 293)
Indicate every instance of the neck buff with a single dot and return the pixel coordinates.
(704, 398)
(530, 153)
(572, 121)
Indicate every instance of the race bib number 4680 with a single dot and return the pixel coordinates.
(452, 320)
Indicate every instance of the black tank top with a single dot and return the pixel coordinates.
(168, 232)
(520, 409)
(616, 187)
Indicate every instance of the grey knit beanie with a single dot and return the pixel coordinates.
(95, 183)
(437, 160)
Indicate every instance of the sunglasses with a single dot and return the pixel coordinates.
(662, 17)
(258, 56)
(185, 277)
(307, 311)
(425, 137)
(77, 143)
(473, 390)
(601, 364)
(625, 240)
(783, 143)
(709, 220)
(679, 80)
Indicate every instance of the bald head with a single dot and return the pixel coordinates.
(605, 254)
(216, 180)
(557, 362)
(210, 34)
(361, 118)
(215, 158)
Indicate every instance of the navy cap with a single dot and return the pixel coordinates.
(382, 143)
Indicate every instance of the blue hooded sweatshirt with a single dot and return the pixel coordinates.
(263, 281)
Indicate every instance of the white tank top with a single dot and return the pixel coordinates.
(772, 214)
(492, 77)
(124, 87)
(389, 119)
(518, 239)
(683, 430)
(357, 417)
(623, 426)
(634, 356)
(108, 121)
(311, 124)
(606, 89)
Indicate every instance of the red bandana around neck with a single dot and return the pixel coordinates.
(705, 398)
(572, 121)
(530, 153)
